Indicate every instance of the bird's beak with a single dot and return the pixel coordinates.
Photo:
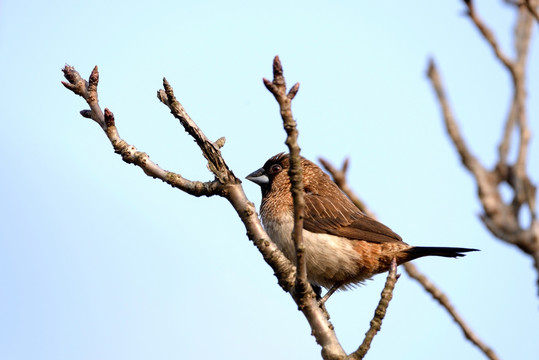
(258, 177)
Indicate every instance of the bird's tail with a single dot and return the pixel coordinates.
(453, 252)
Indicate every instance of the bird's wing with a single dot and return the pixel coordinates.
(339, 216)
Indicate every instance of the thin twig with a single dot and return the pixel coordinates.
(210, 149)
(488, 35)
(379, 313)
(129, 153)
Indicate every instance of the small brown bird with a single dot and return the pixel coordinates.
(343, 246)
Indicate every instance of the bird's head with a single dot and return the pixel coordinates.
(273, 176)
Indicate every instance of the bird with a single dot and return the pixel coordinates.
(343, 246)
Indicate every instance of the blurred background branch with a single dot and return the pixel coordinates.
(513, 221)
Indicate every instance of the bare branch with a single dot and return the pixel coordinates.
(524, 189)
(278, 88)
(379, 313)
(129, 153)
(87, 91)
(302, 292)
(500, 218)
(231, 189)
(517, 112)
(210, 150)
(488, 35)
(225, 185)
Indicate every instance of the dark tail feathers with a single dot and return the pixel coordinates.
(453, 252)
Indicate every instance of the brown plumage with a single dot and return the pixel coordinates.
(343, 246)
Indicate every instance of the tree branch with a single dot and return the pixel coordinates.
(500, 218)
(379, 313)
(302, 292)
(488, 35)
(225, 185)
(210, 150)
(129, 153)
(278, 88)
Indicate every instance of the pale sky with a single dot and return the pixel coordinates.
(99, 261)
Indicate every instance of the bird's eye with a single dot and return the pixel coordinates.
(275, 168)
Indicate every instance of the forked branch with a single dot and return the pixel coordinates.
(502, 219)
(130, 154)
(225, 184)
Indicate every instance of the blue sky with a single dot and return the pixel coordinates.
(98, 261)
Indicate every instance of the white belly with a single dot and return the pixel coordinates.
(330, 259)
